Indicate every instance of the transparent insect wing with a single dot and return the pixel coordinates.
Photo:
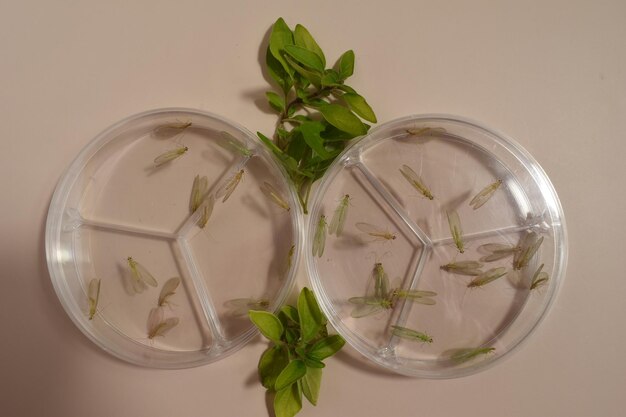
(365, 306)
(227, 189)
(528, 247)
(140, 273)
(169, 289)
(241, 306)
(93, 295)
(426, 131)
(170, 155)
(496, 256)
(410, 334)
(207, 210)
(273, 194)
(455, 229)
(487, 277)
(418, 296)
(375, 231)
(471, 268)
(235, 145)
(495, 247)
(157, 326)
(539, 279)
(484, 195)
(339, 216)
(171, 129)
(381, 281)
(466, 354)
(319, 241)
(415, 180)
(198, 191)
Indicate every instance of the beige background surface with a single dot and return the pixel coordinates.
(551, 74)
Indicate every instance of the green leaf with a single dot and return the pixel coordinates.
(277, 72)
(311, 384)
(269, 325)
(311, 133)
(288, 401)
(280, 37)
(297, 147)
(305, 57)
(292, 335)
(271, 145)
(346, 88)
(327, 347)
(292, 372)
(346, 64)
(331, 78)
(276, 101)
(271, 364)
(311, 318)
(303, 38)
(311, 76)
(313, 362)
(343, 119)
(291, 312)
(358, 105)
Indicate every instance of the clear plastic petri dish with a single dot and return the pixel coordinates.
(173, 274)
(452, 245)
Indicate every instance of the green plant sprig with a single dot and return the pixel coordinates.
(318, 113)
(292, 365)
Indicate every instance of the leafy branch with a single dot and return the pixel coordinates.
(292, 365)
(317, 112)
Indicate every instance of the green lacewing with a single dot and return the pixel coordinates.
(158, 325)
(416, 181)
(170, 155)
(339, 216)
(93, 295)
(319, 240)
(410, 334)
(140, 275)
(485, 194)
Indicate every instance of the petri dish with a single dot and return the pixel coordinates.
(452, 249)
(197, 264)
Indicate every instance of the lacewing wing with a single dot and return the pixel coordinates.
(93, 295)
(241, 306)
(274, 196)
(235, 145)
(140, 275)
(319, 240)
(198, 192)
(485, 194)
(375, 231)
(157, 325)
(455, 229)
(540, 278)
(229, 186)
(416, 181)
(169, 289)
(170, 155)
(487, 277)
(339, 216)
(471, 268)
(171, 129)
(410, 334)
(465, 354)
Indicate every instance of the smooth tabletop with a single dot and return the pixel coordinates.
(551, 74)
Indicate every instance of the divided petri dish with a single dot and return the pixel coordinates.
(452, 248)
(182, 299)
